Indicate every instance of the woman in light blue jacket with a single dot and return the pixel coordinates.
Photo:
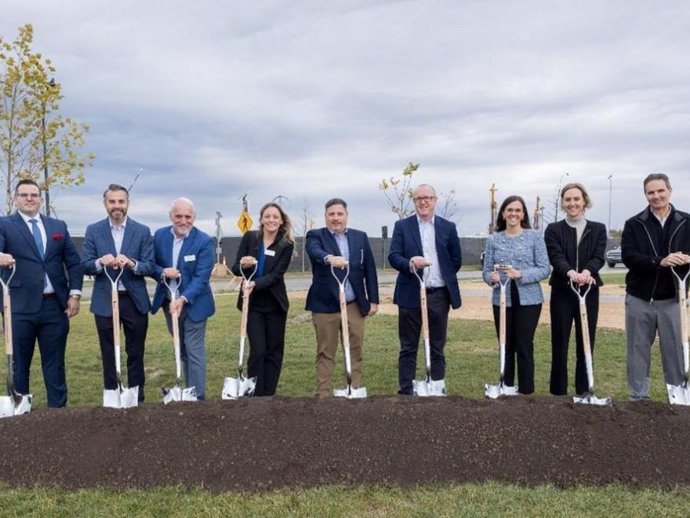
(518, 254)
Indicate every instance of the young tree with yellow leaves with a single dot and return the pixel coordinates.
(398, 191)
(35, 140)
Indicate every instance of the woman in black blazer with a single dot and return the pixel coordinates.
(270, 248)
(576, 251)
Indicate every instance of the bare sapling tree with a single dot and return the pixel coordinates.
(447, 206)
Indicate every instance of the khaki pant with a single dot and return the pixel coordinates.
(327, 327)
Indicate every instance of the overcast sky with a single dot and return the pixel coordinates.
(310, 100)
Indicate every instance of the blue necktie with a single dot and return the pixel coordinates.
(37, 237)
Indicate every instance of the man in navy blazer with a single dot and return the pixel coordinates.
(45, 290)
(424, 239)
(120, 243)
(338, 246)
(183, 254)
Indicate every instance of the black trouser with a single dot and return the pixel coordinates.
(409, 329)
(135, 325)
(564, 309)
(521, 323)
(266, 332)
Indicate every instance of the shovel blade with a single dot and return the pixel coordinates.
(509, 391)
(591, 399)
(177, 394)
(11, 406)
(431, 388)
(121, 398)
(678, 394)
(234, 388)
(496, 391)
(111, 398)
(6, 406)
(492, 391)
(351, 393)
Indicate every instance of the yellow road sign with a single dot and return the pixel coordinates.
(245, 222)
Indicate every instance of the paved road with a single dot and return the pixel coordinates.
(301, 282)
(296, 281)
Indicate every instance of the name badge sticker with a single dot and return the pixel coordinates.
(188, 258)
(270, 253)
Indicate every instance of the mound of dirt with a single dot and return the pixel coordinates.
(262, 443)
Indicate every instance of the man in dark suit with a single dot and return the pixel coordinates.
(419, 241)
(45, 290)
(120, 243)
(339, 246)
(183, 254)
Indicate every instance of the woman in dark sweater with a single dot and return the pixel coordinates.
(269, 249)
(576, 250)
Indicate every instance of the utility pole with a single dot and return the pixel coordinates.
(493, 208)
(538, 211)
(610, 178)
(219, 235)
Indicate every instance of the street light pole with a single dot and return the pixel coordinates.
(46, 187)
(280, 200)
(610, 177)
(45, 161)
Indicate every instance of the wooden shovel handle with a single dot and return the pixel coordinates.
(343, 318)
(584, 323)
(7, 309)
(115, 302)
(682, 300)
(425, 315)
(502, 316)
(176, 342)
(245, 312)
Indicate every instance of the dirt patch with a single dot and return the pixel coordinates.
(266, 443)
(257, 444)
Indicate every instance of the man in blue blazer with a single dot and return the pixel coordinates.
(339, 246)
(45, 290)
(183, 254)
(120, 243)
(424, 239)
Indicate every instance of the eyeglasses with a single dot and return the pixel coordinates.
(420, 199)
(28, 195)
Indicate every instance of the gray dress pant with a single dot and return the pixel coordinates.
(642, 321)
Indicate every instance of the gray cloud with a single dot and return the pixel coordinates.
(320, 99)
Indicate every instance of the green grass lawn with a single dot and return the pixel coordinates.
(472, 361)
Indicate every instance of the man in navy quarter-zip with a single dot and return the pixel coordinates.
(654, 241)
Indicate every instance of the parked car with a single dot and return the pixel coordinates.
(613, 257)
